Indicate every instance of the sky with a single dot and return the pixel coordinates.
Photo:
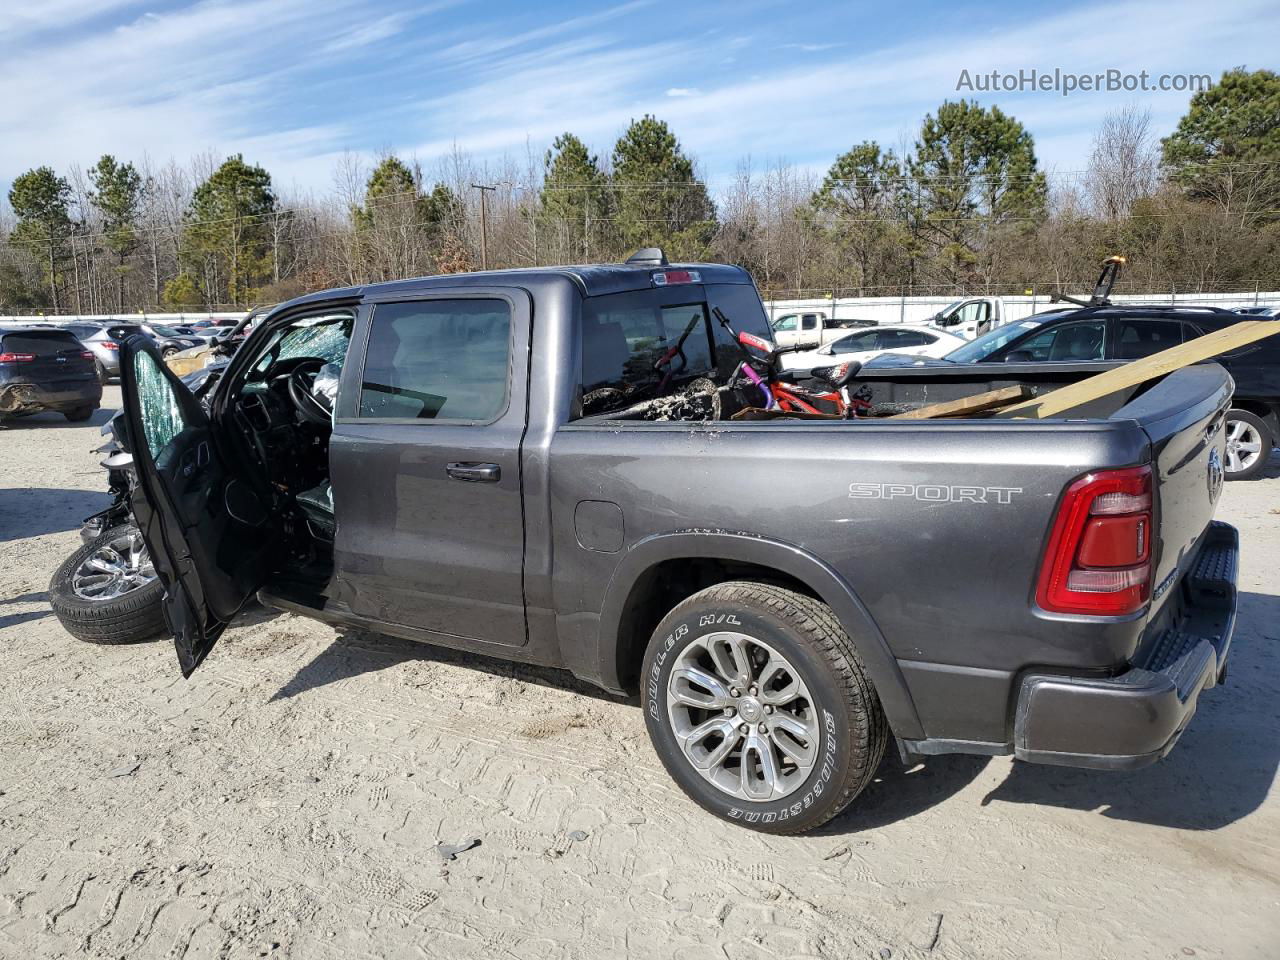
(295, 84)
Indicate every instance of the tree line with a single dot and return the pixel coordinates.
(964, 207)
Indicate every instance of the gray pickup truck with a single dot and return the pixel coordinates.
(458, 460)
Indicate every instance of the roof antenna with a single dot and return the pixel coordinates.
(1101, 296)
(648, 257)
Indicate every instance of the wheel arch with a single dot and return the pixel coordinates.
(1263, 409)
(638, 597)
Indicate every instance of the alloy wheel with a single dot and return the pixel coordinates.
(118, 566)
(743, 716)
(1244, 446)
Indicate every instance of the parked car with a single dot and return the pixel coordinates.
(864, 344)
(811, 328)
(171, 340)
(44, 368)
(1102, 337)
(103, 341)
(413, 458)
(1259, 311)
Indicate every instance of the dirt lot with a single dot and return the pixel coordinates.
(288, 799)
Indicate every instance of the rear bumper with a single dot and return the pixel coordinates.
(1133, 719)
(19, 398)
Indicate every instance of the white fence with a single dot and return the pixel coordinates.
(162, 318)
(920, 309)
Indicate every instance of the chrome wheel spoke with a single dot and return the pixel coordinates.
(792, 736)
(759, 770)
(704, 757)
(731, 658)
(696, 688)
(114, 569)
(778, 683)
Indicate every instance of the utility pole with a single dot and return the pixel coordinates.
(484, 224)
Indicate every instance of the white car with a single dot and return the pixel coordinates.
(862, 345)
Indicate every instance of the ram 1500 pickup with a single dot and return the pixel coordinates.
(459, 460)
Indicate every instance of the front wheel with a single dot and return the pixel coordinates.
(79, 414)
(108, 591)
(1249, 443)
(760, 708)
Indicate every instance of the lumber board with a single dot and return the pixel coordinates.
(1073, 395)
(979, 402)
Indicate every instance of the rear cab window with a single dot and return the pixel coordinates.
(642, 344)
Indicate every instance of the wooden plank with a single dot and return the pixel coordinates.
(964, 406)
(1073, 395)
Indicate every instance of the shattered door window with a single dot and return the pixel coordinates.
(161, 415)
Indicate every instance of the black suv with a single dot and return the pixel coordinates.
(1105, 336)
(46, 369)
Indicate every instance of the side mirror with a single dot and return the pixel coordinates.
(827, 351)
(1019, 356)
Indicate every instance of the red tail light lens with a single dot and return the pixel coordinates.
(1098, 560)
(86, 354)
(110, 345)
(16, 357)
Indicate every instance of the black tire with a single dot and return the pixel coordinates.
(168, 352)
(1259, 426)
(853, 729)
(103, 376)
(79, 414)
(134, 617)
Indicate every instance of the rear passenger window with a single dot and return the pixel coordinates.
(1141, 338)
(437, 360)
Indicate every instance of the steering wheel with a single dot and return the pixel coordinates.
(300, 380)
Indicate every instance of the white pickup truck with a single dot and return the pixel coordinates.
(812, 328)
(971, 317)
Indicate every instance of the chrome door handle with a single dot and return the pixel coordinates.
(475, 472)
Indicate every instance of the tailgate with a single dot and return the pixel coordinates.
(1183, 416)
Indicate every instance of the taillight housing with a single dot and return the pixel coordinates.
(666, 278)
(86, 354)
(16, 357)
(1098, 558)
(110, 345)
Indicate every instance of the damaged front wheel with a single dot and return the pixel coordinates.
(108, 591)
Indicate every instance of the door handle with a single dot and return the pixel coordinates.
(475, 472)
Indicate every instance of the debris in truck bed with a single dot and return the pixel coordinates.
(965, 406)
(759, 413)
(1077, 394)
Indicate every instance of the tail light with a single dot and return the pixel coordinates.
(16, 357)
(86, 354)
(1098, 559)
(110, 345)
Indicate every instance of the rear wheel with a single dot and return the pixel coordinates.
(108, 591)
(760, 708)
(103, 376)
(1249, 443)
(78, 414)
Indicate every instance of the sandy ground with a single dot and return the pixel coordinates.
(287, 802)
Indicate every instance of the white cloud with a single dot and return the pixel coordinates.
(258, 76)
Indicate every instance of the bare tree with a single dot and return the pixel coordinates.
(1124, 164)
